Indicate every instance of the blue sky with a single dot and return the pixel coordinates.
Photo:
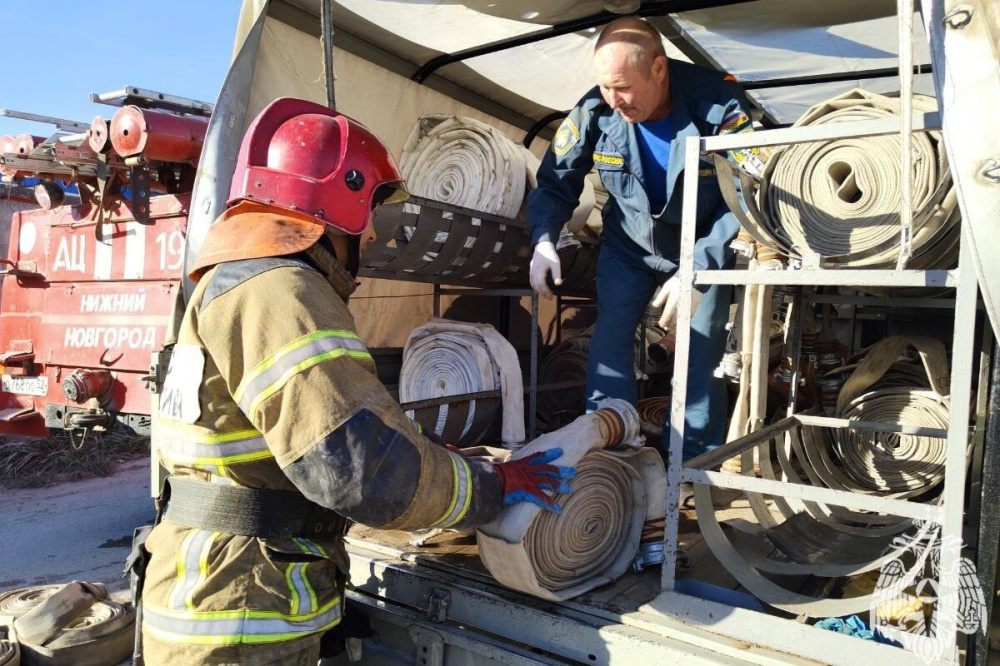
(57, 52)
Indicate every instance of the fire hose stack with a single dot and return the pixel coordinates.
(614, 514)
(62, 625)
(464, 225)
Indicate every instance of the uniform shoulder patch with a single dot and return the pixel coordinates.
(566, 137)
(735, 121)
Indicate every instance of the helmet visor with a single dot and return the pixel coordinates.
(390, 193)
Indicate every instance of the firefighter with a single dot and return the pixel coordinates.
(272, 422)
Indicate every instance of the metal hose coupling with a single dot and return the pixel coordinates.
(622, 421)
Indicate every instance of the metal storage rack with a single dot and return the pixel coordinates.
(948, 513)
(454, 267)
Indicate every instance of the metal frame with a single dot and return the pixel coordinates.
(839, 77)
(655, 8)
(60, 123)
(153, 100)
(949, 513)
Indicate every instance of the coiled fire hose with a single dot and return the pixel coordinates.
(838, 201)
(566, 363)
(464, 162)
(10, 651)
(66, 625)
(903, 465)
(827, 540)
(450, 358)
(619, 488)
(653, 413)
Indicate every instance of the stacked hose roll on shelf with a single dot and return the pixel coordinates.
(465, 223)
(827, 540)
(448, 358)
(837, 203)
(464, 162)
(619, 490)
(566, 363)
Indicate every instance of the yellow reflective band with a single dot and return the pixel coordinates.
(211, 450)
(202, 568)
(310, 547)
(303, 596)
(293, 589)
(461, 496)
(192, 564)
(313, 602)
(296, 369)
(238, 627)
(269, 376)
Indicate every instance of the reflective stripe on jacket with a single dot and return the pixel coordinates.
(269, 386)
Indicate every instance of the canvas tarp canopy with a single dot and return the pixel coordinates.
(755, 40)
(380, 44)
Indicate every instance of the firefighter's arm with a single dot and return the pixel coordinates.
(303, 377)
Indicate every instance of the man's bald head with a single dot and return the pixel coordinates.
(631, 70)
(640, 40)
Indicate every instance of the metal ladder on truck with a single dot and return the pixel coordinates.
(965, 45)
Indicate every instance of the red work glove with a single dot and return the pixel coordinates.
(525, 480)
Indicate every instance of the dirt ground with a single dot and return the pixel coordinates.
(79, 530)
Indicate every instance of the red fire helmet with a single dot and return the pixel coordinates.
(310, 159)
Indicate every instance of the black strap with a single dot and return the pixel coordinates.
(253, 512)
(727, 186)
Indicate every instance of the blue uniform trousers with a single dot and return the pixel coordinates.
(624, 288)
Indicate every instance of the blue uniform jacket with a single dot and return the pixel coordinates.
(705, 103)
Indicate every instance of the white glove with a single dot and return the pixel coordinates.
(543, 261)
(668, 297)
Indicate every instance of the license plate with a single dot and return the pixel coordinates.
(24, 385)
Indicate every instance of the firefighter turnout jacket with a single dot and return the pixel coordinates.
(270, 387)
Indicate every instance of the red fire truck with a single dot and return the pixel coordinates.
(89, 287)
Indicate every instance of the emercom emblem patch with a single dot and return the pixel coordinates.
(566, 138)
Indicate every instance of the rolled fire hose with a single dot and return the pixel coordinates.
(464, 162)
(903, 465)
(10, 650)
(66, 625)
(450, 358)
(566, 363)
(16, 603)
(838, 201)
(831, 541)
(653, 413)
(104, 634)
(620, 487)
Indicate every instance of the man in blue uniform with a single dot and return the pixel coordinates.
(632, 127)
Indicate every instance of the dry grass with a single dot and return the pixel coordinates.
(31, 463)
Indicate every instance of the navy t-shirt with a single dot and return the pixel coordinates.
(654, 150)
